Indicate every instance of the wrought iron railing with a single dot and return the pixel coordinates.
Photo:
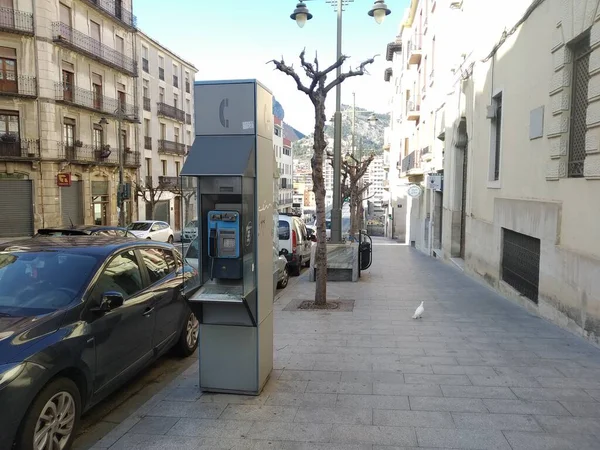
(145, 65)
(188, 119)
(69, 93)
(11, 147)
(147, 106)
(171, 112)
(68, 37)
(188, 87)
(15, 21)
(148, 142)
(175, 148)
(89, 154)
(22, 85)
(412, 161)
(161, 73)
(115, 10)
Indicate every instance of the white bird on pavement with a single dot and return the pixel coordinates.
(419, 312)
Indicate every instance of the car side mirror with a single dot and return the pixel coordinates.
(110, 300)
(283, 252)
(313, 238)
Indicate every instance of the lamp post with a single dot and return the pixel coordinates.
(120, 115)
(301, 15)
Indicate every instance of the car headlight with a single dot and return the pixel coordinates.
(8, 372)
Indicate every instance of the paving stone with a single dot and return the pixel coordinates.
(301, 399)
(462, 439)
(371, 434)
(303, 432)
(197, 409)
(401, 368)
(463, 370)
(324, 387)
(285, 386)
(547, 441)
(152, 442)
(154, 425)
(419, 390)
(233, 399)
(504, 380)
(500, 422)
(569, 424)
(262, 413)
(583, 409)
(335, 415)
(372, 401)
(446, 404)
(478, 392)
(553, 394)
(457, 380)
(307, 375)
(235, 429)
(551, 408)
(571, 382)
(396, 418)
(373, 377)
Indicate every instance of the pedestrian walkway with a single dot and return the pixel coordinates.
(476, 372)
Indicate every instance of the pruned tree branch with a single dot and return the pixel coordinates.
(352, 73)
(289, 70)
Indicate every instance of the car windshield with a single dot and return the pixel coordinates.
(140, 226)
(192, 224)
(33, 283)
(50, 232)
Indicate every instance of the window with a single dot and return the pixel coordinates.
(175, 100)
(161, 94)
(148, 166)
(122, 275)
(97, 89)
(123, 139)
(163, 163)
(176, 134)
(69, 132)
(65, 14)
(188, 106)
(277, 131)
(175, 76)
(122, 98)
(161, 68)
(496, 137)
(284, 230)
(68, 79)
(120, 44)
(189, 138)
(9, 126)
(146, 88)
(521, 263)
(100, 202)
(156, 263)
(145, 63)
(146, 127)
(163, 131)
(95, 32)
(97, 139)
(187, 82)
(8, 69)
(579, 100)
(177, 168)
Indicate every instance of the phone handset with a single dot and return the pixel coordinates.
(212, 250)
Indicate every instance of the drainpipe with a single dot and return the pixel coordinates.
(39, 113)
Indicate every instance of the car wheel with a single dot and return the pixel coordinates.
(53, 417)
(149, 238)
(188, 341)
(284, 279)
(170, 240)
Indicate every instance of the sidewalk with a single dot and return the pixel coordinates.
(477, 372)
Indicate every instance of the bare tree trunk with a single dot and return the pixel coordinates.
(353, 213)
(319, 190)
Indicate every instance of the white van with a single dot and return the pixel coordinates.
(294, 242)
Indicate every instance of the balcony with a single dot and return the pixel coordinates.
(83, 98)
(13, 148)
(161, 73)
(188, 119)
(188, 87)
(15, 21)
(148, 142)
(415, 52)
(145, 65)
(114, 10)
(413, 110)
(170, 147)
(171, 112)
(88, 154)
(387, 74)
(22, 86)
(175, 183)
(411, 164)
(392, 47)
(67, 37)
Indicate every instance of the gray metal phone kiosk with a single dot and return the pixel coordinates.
(232, 296)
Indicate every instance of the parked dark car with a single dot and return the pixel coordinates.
(86, 230)
(78, 317)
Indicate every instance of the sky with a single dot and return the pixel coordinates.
(234, 39)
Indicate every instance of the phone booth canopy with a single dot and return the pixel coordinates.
(231, 248)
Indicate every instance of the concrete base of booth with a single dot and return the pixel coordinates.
(342, 262)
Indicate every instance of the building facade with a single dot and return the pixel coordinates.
(282, 146)
(520, 130)
(166, 93)
(67, 87)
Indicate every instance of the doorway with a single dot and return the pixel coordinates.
(177, 212)
(463, 206)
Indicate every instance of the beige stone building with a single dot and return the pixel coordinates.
(64, 67)
(166, 93)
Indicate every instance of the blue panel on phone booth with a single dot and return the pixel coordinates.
(224, 228)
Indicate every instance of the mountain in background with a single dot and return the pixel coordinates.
(371, 134)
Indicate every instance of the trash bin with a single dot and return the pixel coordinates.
(366, 251)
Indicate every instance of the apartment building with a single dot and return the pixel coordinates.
(165, 91)
(282, 147)
(67, 86)
(376, 194)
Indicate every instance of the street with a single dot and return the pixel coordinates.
(103, 417)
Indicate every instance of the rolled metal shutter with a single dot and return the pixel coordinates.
(71, 200)
(16, 206)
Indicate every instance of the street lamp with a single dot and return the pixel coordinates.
(301, 15)
(120, 115)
